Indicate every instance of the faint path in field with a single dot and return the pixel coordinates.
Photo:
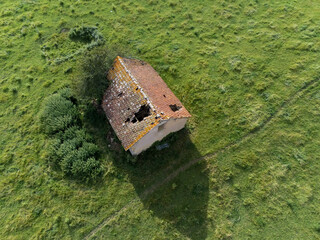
(184, 167)
(187, 165)
(113, 216)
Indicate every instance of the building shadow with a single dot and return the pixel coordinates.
(182, 200)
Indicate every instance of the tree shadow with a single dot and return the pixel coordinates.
(182, 200)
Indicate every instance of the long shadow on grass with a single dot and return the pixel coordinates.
(183, 200)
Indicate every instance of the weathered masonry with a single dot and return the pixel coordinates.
(139, 105)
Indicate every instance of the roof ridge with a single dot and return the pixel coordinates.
(147, 128)
(137, 83)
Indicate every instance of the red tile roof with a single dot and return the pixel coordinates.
(134, 84)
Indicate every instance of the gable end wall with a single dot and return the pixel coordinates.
(157, 133)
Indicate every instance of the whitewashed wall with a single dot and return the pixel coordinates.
(157, 133)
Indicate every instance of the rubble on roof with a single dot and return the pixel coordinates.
(137, 100)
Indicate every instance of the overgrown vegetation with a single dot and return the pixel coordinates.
(86, 34)
(59, 113)
(70, 147)
(231, 63)
(80, 40)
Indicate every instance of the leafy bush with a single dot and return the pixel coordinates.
(59, 113)
(74, 132)
(77, 158)
(70, 148)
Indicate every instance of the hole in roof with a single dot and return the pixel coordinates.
(164, 95)
(134, 120)
(137, 89)
(174, 107)
(143, 112)
(120, 94)
(128, 108)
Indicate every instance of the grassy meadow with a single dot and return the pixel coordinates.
(247, 71)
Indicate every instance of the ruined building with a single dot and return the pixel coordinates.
(139, 105)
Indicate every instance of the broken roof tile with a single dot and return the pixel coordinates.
(139, 94)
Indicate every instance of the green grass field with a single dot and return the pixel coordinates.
(248, 72)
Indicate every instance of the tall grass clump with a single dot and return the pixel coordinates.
(85, 34)
(70, 147)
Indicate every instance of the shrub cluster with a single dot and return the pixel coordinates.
(70, 147)
(59, 114)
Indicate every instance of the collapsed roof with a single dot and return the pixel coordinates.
(137, 100)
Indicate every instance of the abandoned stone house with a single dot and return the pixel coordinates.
(139, 105)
